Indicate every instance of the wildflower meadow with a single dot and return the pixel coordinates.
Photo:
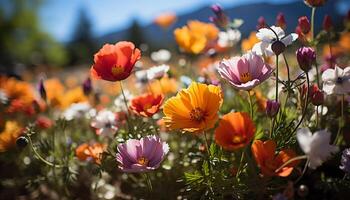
(221, 115)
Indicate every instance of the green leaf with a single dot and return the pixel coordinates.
(193, 178)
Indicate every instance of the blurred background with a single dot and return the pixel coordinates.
(66, 33)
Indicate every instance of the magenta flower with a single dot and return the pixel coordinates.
(246, 72)
(141, 155)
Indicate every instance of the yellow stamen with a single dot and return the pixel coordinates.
(245, 77)
(147, 106)
(237, 139)
(197, 114)
(116, 70)
(143, 161)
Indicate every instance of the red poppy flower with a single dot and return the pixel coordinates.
(146, 105)
(235, 130)
(115, 62)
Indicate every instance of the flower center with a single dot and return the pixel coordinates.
(147, 106)
(143, 161)
(245, 77)
(340, 80)
(116, 70)
(237, 139)
(197, 114)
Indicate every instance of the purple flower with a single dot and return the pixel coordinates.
(272, 108)
(87, 86)
(220, 19)
(246, 72)
(345, 161)
(141, 155)
(41, 89)
(306, 57)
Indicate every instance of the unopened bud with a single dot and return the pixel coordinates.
(327, 23)
(278, 47)
(281, 21)
(272, 108)
(306, 57)
(304, 24)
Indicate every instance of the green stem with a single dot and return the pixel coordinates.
(341, 123)
(149, 182)
(287, 66)
(306, 103)
(276, 77)
(209, 164)
(127, 107)
(313, 22)
(241, 162)
(250, 105)
(40, 157)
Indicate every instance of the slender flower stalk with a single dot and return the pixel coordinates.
(126, 106)
(342, 121)
(250, 105)
(287, 66)
(40, 157)
(276, 98)
(306, 103)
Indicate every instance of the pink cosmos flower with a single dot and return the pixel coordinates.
(246, 72)
(141, 155)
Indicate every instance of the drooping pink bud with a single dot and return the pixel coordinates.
(272, 108)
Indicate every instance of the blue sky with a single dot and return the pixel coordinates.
(58, 17)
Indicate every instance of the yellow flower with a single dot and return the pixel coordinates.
(54, 92)
(75, 95)
(9, 135)
(164, 86)
(247, 44)
(194, 37)
(193, 109)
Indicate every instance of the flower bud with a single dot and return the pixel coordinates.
(216, 9)
(306, 57)
(316, 95)
(315, 3)
(327, 23)
(41, 89)
(272, 108)
(87, 86)
(220, 19)
(281, 21)
(304, 24)
(261, 23)
(21, 142)
(278, 47)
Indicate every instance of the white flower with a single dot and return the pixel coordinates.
(316, 146)
(161, 56)
(105, 123)
(119, 101)
(3, 97)
(336, 81)
(267, 37)
(229, 38)
(76, 110)
(157, 72)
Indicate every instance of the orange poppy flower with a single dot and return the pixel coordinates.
(165, 20)
(9, 135)
(235, 130)
(193, 109)
(85, 152)
(264, 155)
(196, 36)
(247, 44)
(146, 105)
(115, 62)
